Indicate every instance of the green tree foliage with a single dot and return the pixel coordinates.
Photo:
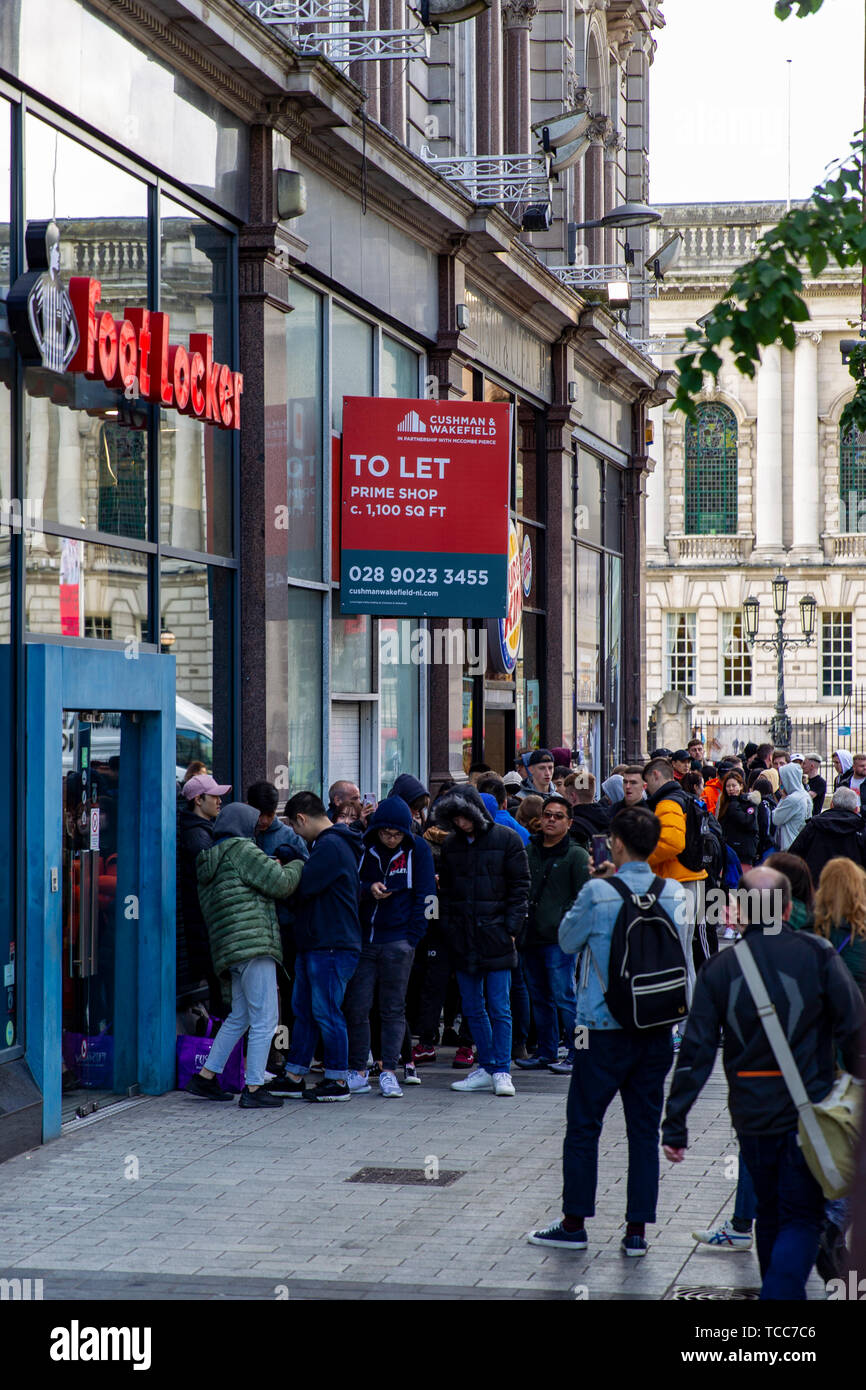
(764, 301)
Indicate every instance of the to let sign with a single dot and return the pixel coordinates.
(425, 507)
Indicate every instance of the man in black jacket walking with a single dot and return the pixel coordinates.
(820, 1010)
(483, 895)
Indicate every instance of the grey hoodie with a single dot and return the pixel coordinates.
(236, 819)
(794, 809)
(613, 789)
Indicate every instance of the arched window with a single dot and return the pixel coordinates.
(852, 478)
(711, 472)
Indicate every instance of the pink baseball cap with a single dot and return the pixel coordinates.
(203, 785)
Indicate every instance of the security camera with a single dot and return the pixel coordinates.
(566, 155)
(666, 256)
(562, 130)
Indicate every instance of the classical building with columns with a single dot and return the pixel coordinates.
(765, 482)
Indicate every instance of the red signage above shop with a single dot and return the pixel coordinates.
(425, 507)
(63, 330)
(134, 355)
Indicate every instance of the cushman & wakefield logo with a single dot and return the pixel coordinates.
(63, 330)
(77, 1343)
(442, 425)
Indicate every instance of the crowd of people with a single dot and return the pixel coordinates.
(355, 939)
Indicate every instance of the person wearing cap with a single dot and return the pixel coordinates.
(512, 782)
(681, 763)
(238, 885)
(539, 778)
(202, 800)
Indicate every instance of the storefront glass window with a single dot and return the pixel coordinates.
(293, 431)
(76, 589)
(351, 361)
(588, 624)
(301, 697)
(588, 507)
(195, 459)
(85, 446)
(399, 370)
(351, 652)
(613, 643)
(398, 703)
(196, 627)
(613, 508)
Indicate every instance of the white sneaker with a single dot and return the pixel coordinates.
(725, 1238)
(477, 1080)
(502, 1084)
(389, 1085)
(410, 1075)
(358, 1083)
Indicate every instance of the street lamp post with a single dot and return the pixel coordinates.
(780, 729)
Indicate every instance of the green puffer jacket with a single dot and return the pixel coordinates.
(237, 885)
(567, 875)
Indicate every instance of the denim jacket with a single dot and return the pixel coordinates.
(588, 926)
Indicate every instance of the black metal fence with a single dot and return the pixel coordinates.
(842, 727)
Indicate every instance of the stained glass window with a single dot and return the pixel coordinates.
(711, 472)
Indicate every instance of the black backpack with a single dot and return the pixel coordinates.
(692, 856)
(714, 850)
(647, 975)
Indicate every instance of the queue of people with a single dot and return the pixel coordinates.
(499, 910)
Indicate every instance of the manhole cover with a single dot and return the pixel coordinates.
(416, 1176)
(712, 1293)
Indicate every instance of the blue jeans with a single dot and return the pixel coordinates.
(636, 1067)
(321, 978)
(255, 1006)
(491, 1026)
(550, 975)
(790, 1213)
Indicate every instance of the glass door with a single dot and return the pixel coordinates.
(91, 779)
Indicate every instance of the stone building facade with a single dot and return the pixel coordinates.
(767, 482)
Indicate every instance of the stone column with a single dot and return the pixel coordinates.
(517, 16)
(392, 75)
(768, 463)
(593, 193)
(807, 522)
(488, 80)
(612, 146)
(655, 487)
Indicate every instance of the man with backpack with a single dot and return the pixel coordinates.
(817, 1008)
(624, 906)
(679, 853)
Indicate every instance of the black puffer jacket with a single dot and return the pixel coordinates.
(741, 826)
(483, 885)
(587, 819)
(835, 834)
(819, 1007)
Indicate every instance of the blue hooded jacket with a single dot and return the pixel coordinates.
(326, 901)
(503, 817)
(406, 871)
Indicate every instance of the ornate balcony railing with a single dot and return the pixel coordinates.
(491, 179)
(709, 550)
(589, 276)
(849, 547)
(293, 12)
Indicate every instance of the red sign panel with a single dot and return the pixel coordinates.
(425, 496)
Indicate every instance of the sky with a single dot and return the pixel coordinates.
(718, 98)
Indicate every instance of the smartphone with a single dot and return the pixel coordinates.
(599, 851)
(368, 799)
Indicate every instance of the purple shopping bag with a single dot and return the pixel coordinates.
(193, 1052)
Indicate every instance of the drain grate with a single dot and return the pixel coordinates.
(712, 1293)
(413, 1176)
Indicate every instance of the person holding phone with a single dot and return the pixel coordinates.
(558, 869)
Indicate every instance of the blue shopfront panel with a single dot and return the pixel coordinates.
(62, 678)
